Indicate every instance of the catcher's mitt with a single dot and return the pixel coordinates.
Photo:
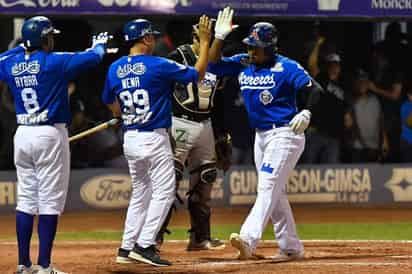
(223, 149)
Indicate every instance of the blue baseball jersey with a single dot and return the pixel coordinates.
(142, 84)
(39, 83)
(406, 110)
(269, 92)
(11, 52)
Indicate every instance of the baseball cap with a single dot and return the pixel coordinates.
(333, 58)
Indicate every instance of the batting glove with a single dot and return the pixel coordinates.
(101, 39)
(300, 122)
(223, 24)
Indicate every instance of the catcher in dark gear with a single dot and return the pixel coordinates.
(194, 113)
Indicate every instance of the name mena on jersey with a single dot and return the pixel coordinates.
(257, 82)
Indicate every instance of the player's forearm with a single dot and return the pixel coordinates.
(393, 94)
(202, 61)
(215, 51)
(315, 91)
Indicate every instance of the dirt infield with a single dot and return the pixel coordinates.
(321, 256)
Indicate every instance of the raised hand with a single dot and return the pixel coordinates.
(224, 23)
(101, 39)
(205, 29)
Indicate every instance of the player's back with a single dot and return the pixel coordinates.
(39, 83)
(143, 85)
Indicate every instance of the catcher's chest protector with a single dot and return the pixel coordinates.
(194, 98)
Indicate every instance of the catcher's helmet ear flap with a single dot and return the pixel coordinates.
(137, 29)
(35, 29)
(263, 35)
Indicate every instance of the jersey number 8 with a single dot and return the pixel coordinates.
(29, 98)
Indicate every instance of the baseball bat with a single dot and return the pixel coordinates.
(94, 130)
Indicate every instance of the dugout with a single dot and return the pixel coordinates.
(353, 27)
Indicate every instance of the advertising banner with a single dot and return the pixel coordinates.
(283, 8)
(106, 189)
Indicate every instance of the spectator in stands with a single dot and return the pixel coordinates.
(323, 138)
(387, 85)
(388, 67)
(394, 47)
(317, 48)
(365, 139)
(406, 119)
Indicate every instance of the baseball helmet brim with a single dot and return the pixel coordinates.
(51, 30)
(251, 41)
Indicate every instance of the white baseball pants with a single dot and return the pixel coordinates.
(276, 154)
(42, 159)
(150, 159)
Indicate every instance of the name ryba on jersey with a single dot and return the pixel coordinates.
(39, 82)
(28, 84)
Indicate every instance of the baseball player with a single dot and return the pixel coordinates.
(269, 83)
(138, 88)
(193, 133)
(38, 79)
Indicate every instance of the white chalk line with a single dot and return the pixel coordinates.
(69, 242)
(303, 263)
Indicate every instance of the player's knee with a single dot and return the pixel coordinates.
(32, 210)
(208, 173)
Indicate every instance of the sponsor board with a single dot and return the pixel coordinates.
(108, 189)
(400, 184)
(309, 185)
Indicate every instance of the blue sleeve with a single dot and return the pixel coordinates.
(4, 56)
(228, 66)
(2, 72)
(174, 71)
(298, 76)
(12, 51)
(79, 62)
(108, 96)
(405, 110)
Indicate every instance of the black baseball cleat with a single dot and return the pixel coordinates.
(123, 257)
(148, 255)
(212, 244)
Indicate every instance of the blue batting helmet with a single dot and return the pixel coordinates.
(137, 29)
(262, 35)
(35, 29)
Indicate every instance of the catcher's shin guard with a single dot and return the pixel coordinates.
(198, 202)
